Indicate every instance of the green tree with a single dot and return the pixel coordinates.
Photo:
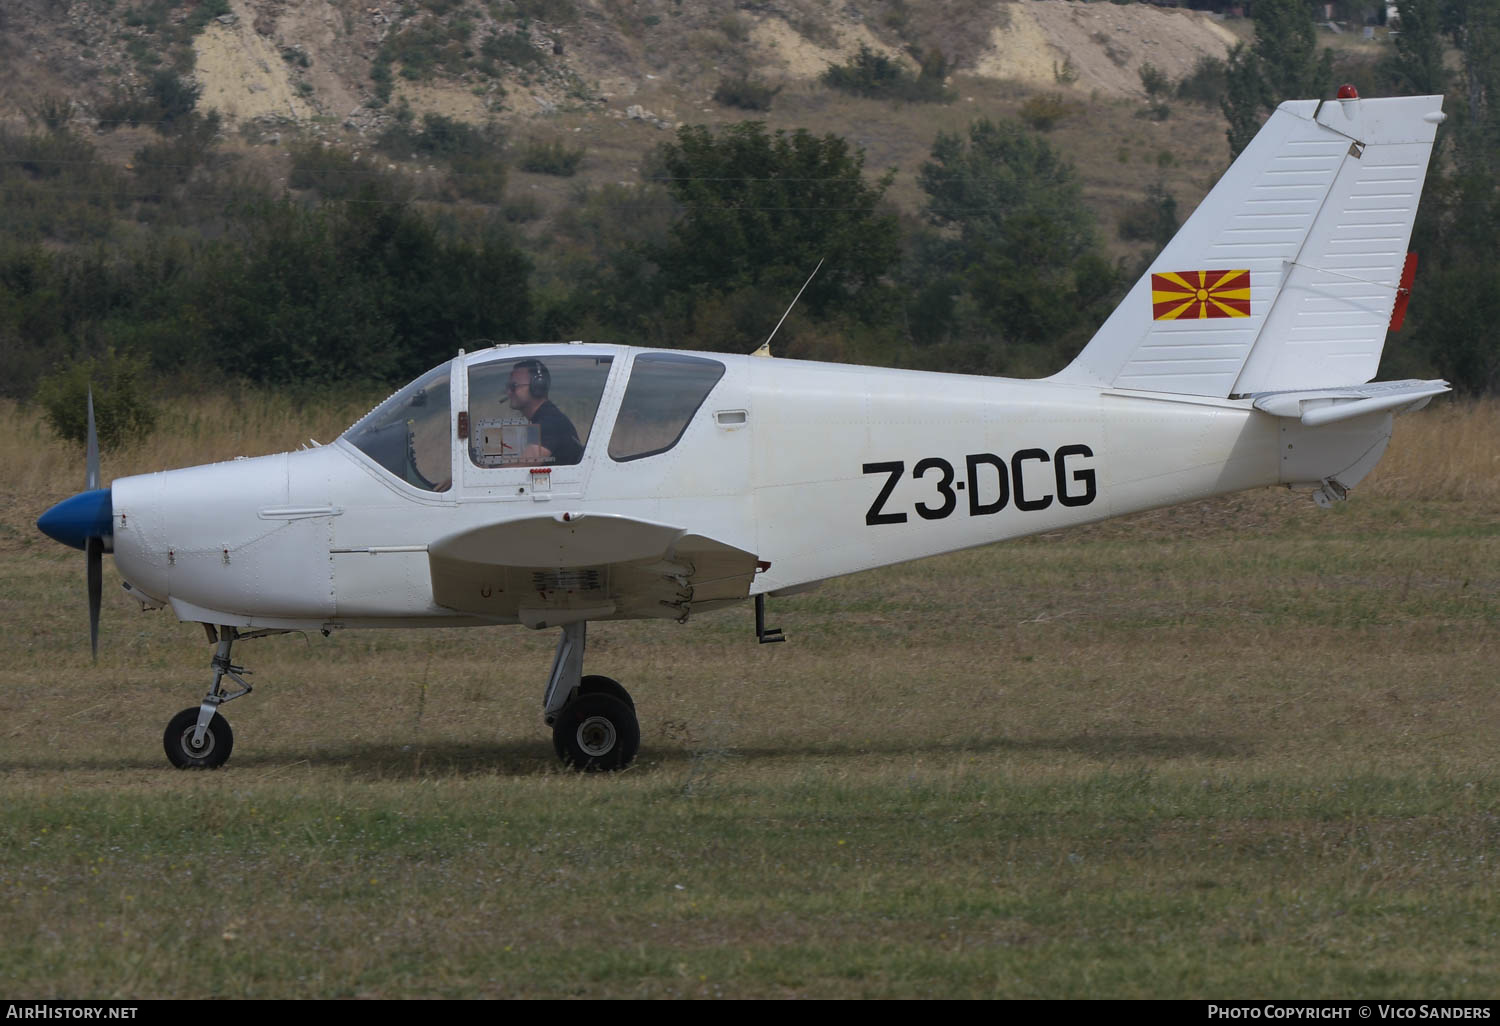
(876, 76)
(1246, 99)
(598, 277)
(1474, 26)
(1456, 299)
(1283, 64)
(1023, 242)
(1417, 65)
(1286, 47)
(761, 209)
(122, 413)
(1152, 220)
(1002, 173)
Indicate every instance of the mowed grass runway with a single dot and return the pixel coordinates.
(1244, 748)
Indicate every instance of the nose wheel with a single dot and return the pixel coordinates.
(209, 753)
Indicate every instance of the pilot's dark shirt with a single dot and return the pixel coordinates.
(559, 437)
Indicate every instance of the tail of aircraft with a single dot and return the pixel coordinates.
(1282, 284)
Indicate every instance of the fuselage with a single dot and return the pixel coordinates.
(819, 470)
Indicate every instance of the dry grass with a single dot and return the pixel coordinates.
(40, 468)
(1239, 748)
(1449, 451)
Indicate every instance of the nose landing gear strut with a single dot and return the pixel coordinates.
(199, 737)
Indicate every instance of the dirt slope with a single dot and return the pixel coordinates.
(311, 60)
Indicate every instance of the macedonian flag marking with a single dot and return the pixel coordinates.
(1192, 295)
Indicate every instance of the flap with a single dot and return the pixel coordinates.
(559, 540)
(546, 570)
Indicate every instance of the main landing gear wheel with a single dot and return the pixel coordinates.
(597, 731)
(218, 741)
(598, 684)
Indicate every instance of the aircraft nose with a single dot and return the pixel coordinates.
(74, 521)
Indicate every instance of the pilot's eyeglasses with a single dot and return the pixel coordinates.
(517, 385)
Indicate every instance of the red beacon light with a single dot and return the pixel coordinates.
(1348, 92)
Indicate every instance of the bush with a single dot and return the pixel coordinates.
(745, 92)
(440, 137)
(1153, 219)
(167, 104)
(521, 210)
(867, 74)
(336, 174)
(50, 155)
(53, 111)
(1206, 84)
(558, 12)
(1153, 79)
(418, 50)
(172, 161)
(380, 74)
(552, 157)
(512, 48)
(122, 413)
(481, 179)
(876, 76)
(55, 187)
(173, 98)
(1045, 111)
(127, 108)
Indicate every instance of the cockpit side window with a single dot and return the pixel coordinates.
(534, 411)
(665, 391)
(408, 433)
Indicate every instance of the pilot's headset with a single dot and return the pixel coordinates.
(541, 378)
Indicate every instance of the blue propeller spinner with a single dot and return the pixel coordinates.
(86, 521)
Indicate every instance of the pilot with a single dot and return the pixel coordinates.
(529, 384)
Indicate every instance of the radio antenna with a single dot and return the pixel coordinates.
(765, 347)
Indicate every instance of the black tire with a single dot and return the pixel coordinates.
(598, 684)
(218, 741)
(596, 732)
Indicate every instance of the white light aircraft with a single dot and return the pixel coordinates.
(552, 485)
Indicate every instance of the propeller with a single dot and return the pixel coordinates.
(91, 459)
(86, 521)
(94, 551)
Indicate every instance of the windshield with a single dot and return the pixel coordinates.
(408, 433)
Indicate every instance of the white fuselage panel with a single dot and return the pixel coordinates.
(817, 469)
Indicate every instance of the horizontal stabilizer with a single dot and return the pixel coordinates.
(1328, 405)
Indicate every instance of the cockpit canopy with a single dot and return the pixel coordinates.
(528, 408)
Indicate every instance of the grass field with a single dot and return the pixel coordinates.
(1243, 748)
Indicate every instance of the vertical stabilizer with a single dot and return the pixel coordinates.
(1286, 275)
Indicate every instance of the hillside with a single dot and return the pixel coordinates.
(610, 76)
(247, 180)
(314, 60)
